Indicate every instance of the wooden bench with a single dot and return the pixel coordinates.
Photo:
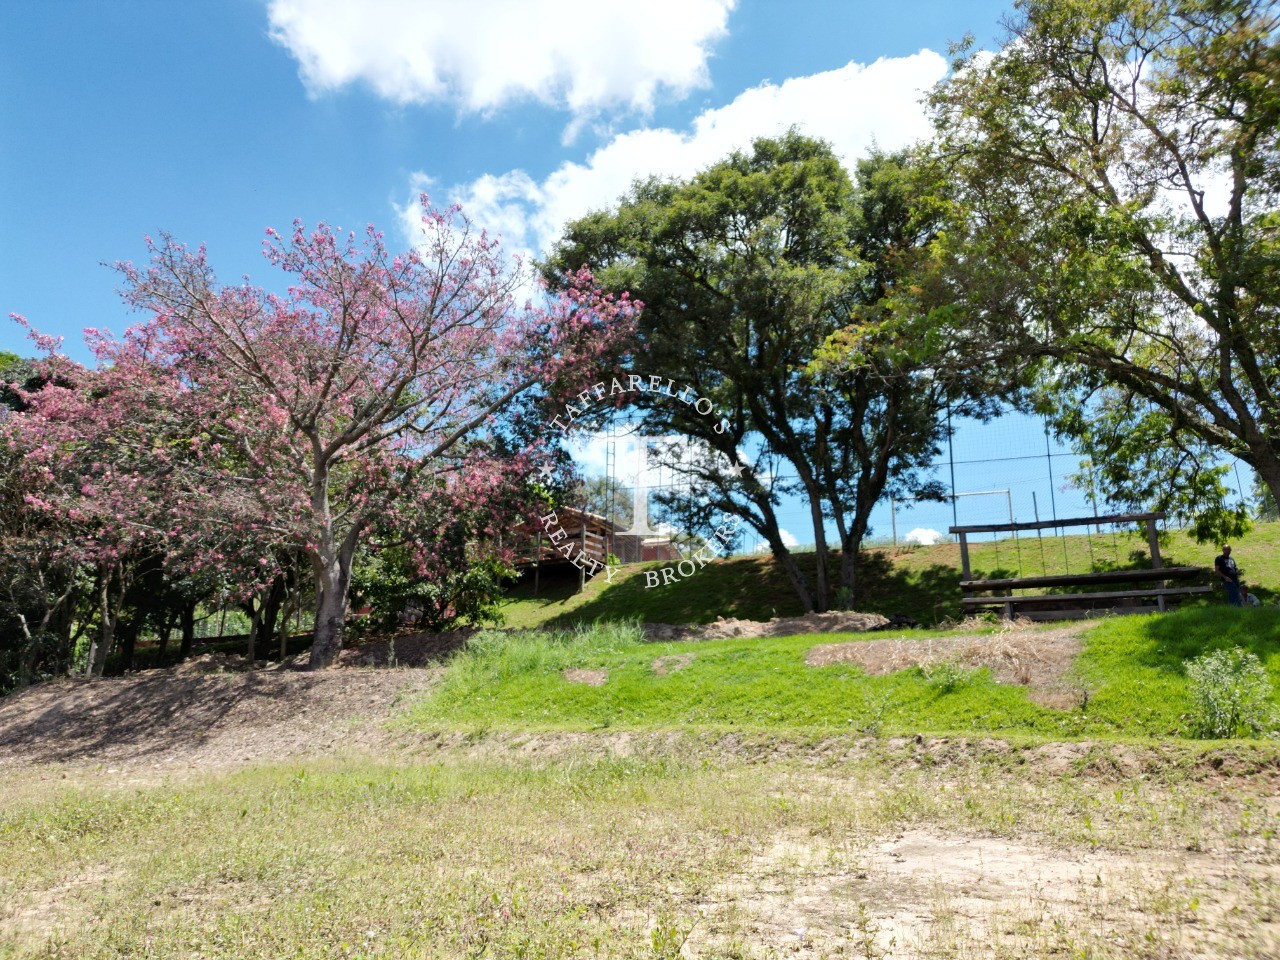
(1088, 579)
(1160, 579)
(1075, 605)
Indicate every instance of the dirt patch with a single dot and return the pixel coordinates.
(420, 649)
(720, 628)
(592, 678)
(670, 664)
(1035, 658)
(924, 894)
(208, 663)
(175, 718)
(36, 915)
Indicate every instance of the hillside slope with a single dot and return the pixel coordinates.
(922, 582)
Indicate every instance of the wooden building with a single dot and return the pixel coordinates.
(586, 540)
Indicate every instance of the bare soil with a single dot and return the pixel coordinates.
(924, 893)
(1040, 659)
(671, 663)
(721, 628)
(198, 715)
(592, 678)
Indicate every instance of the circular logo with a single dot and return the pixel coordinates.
(594, 543)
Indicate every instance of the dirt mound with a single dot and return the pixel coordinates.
(208, 663)
(592, 678)
(720, 628)
(405, 650)
(199, 717)
(1039, 658)
(670, 664)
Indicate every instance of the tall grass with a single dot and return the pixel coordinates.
(494, 657)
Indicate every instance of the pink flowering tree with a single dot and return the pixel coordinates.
(100, 467)
(243, 420)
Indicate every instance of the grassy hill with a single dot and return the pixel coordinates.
(510, 810)
(1126, 678)
(922, 582)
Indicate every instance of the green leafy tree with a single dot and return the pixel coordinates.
(16, 374)
(392, 582)
(1264, 502)
(604, 496)
(1116, 163)
(768, 282)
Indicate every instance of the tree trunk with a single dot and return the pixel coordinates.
(290, 610)
(786, 559)
(332, 581)
(821, 574)
(65, 625)
(109, 612)
(255, 624)
(188, 629)
(162, 641)
(271, 610)
(129, 631)
(850, 545)
(1267, 464)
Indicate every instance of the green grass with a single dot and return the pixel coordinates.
(921, 582)
(589, 855)
(1136, 665)
(1131, 668)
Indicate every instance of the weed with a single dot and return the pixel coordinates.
(944, 675)
(1231, 693)
(668, 935)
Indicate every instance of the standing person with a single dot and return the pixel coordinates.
(1230, 574)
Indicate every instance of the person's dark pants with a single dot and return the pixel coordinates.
(1233, 593)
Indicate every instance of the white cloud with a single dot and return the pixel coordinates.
(584, 55)
(924, 536)
(788, 540)
(660, 468)
(852, 107)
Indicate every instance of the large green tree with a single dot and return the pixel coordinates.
(1117, 166)
(768, 284)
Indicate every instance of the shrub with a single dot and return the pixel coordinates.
(944, 675)
(1231, 693)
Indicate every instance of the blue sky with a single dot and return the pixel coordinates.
(213, 121)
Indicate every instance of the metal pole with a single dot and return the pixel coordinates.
(1048, 456)
(1093, 496)
(1035, 507)
(893, 513)
(1017, 545)
(951, 457)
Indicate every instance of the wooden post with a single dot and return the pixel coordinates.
(537, 564)
(582, 556)
(1153, 541)
(965, 573)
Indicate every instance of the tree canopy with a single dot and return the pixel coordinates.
(748, 270)
(1116, 162)
(234, 428)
